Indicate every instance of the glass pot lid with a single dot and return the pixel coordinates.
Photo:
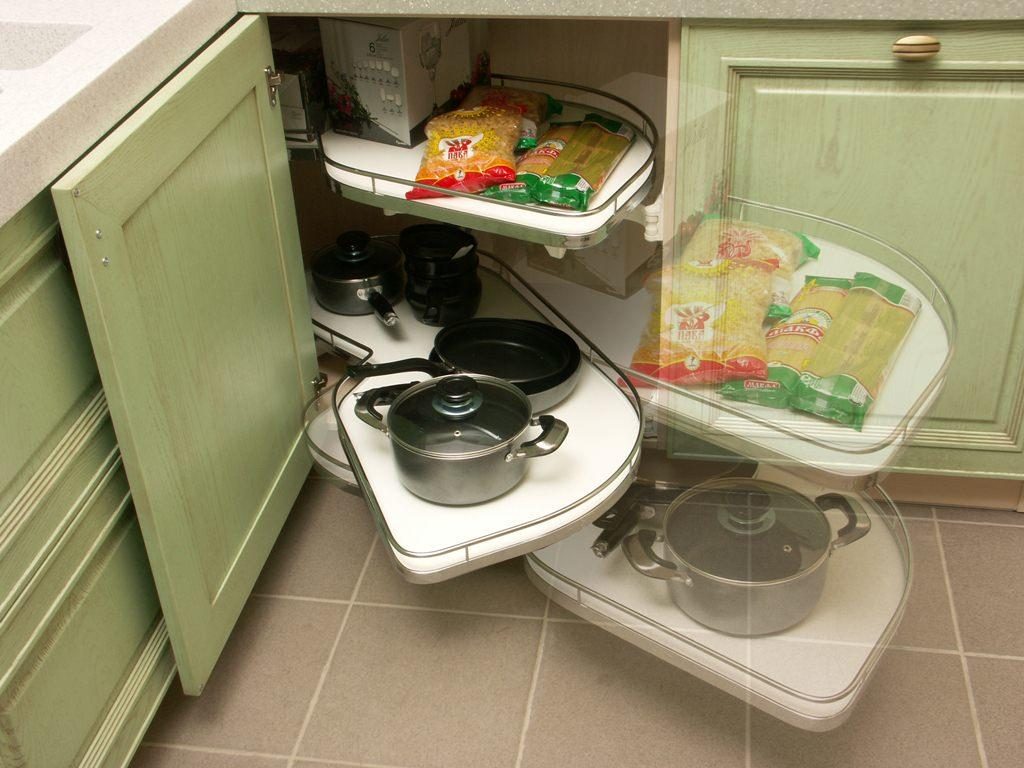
(356, 256)
(747, 530)
(459, 415)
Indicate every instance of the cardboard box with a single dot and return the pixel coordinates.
(618, 265)
(386, 78)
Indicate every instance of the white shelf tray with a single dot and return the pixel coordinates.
(376, 174)
(560, 493)
(768, 434)
(809, 676)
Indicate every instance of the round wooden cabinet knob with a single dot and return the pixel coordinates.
(915, 47)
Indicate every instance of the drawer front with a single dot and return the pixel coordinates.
(61, 683)
(49, 374)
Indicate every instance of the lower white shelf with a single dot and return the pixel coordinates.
(809, 676)
(560, 493)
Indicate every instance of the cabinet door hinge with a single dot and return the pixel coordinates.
(273, 83)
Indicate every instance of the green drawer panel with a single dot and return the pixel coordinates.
(48, 372)
(63, 680)
(54, 496)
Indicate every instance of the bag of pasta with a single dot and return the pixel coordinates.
(735, 238)
(532, 106)
(792, 341)
(842, 379)
(468, 150)
(710, 328)
(532, 166)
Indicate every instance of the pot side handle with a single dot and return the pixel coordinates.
(857, 525)
(553, 434)
(367, 402)
(638, 548)
(364, 370)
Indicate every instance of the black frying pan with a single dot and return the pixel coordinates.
(541, 360)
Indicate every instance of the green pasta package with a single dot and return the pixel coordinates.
(845, 374)
(792, 341)
(533, 166)
(584, 164)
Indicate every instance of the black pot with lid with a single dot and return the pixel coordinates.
(441, 266)
(460, 439)
(359, 275)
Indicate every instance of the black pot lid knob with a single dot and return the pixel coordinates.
(457, 397)
(354, 246)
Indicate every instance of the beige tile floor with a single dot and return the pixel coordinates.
(337, 661)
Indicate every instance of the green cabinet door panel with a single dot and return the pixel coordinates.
(927, 155)
(182, 235)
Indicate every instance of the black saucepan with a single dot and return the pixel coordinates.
(538, 358)
(359, 275)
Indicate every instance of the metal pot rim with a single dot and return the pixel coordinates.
(502, 447)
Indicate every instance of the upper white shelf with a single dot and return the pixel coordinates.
(380, 175)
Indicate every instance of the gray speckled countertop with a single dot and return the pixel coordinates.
(71, 69)
(920, 10)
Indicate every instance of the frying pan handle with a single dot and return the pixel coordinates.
(638, 548)
(382, 308)
(363, 370)
(553, 434)
(857, 523)
(367, 402)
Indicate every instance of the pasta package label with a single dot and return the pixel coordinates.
(468, 150)
(533, 165)
(844, 376)
(792, 341)
(710, 330)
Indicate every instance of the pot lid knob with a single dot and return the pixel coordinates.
(457, 397)
(354, 246)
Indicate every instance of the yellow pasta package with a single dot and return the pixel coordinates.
(710, 328)
(468, 150)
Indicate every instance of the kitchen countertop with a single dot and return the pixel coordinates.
(931, 10)
(71, 69)
(107, 56)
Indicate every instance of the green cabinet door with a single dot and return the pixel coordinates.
(184, 245)
(928, 155)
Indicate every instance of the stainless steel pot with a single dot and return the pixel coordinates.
(745, 557)
(460, 439)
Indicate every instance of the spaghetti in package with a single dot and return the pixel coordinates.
(747, 240)
(843, 378)
(582, 167)
(468, 150)
(534, 165)
(532, 106)
(792, 341)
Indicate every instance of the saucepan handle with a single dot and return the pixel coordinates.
(365, 370)
(553, 434)
(857, 522)
(638, 548)
(367, 402)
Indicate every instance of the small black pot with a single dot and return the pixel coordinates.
(441, 264)
(359, 275)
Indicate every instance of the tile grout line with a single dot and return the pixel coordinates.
(330, 658)
(521, 751)
(266, 755)
(960, 642)
(977, 522)
(400, 607)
